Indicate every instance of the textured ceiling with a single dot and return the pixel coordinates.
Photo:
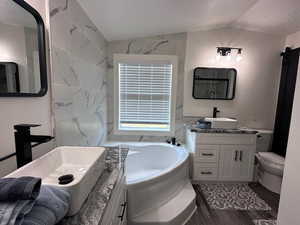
(125, 19)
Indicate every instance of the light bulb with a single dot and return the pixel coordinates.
(239, 57)
(228, 56)
(218, 56)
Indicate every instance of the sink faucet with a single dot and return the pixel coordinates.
(24, 140)
(216, 111)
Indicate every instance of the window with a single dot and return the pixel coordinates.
(145, 94)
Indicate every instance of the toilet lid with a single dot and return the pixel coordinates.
(272, 158)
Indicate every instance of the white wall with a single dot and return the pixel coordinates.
(290, 192)
(24, 110)
(293, 40)
(257, 77)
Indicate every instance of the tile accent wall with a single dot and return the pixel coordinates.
(173, 44)
(79, 76)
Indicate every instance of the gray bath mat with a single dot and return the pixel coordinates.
(237, 196)
(264, 222)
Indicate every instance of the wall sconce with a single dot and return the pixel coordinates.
(226, 51)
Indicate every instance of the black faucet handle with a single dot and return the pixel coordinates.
(25, 126)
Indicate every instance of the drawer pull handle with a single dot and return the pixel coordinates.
(207, 154)
(206, 173)
(123, 211)
(241, 156)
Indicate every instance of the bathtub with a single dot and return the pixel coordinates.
(157, 176)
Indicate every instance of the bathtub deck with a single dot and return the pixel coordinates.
(208, 216)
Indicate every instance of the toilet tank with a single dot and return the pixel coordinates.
(264, 140)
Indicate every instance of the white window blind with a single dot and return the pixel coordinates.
(145, 96)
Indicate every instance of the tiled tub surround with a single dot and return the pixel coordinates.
(79, 76)
(173, 44)
(94, 208)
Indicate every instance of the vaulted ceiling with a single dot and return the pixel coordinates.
(126, 19)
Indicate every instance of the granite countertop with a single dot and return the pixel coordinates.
(93, 209)
(219, 130)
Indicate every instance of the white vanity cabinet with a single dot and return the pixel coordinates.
(115, 213)
(222, 156)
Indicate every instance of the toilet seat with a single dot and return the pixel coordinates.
(271, 162)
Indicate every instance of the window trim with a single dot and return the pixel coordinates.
(131, 58)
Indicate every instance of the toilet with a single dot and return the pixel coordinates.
(270, 165)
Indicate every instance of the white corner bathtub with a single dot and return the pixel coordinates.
(158, 185)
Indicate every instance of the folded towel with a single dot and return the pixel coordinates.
(23, 188)
(50, 207)
(12, 213)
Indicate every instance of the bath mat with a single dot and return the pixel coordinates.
(237, 196)
(264, 222)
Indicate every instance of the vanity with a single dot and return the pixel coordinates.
(98, 188)
(107, 202)
(221, 155)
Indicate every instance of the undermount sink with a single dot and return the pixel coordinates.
(85, 163)
(222, 123)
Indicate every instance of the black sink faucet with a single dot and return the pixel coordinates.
(25, 142)
(216, 111)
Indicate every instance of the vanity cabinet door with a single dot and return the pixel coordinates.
(246, 163)
(236, 162)
(228, 163)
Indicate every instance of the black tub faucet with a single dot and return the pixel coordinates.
(25, 142)
(215, 112)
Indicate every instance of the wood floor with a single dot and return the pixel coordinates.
(207, 216)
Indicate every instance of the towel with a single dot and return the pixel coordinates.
(13, 212)
(17, 196)
(23, 188)
(50, 207)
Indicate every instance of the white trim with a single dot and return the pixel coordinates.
(126, 58)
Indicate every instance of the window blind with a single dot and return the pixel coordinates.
(145, 96)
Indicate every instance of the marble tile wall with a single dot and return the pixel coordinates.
(79, 53)
(173, 44)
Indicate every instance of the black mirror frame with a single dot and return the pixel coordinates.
(234, 83)
(42, 53)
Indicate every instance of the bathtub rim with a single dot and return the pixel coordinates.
(166, 171)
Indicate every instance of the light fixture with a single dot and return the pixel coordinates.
(226, 51)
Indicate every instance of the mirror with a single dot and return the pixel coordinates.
(214, 83)
(22, 50)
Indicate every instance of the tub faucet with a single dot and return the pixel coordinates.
(215, 112)
(173, 141)
(24, 140)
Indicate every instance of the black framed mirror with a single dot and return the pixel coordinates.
(214, 83)
(23, 66)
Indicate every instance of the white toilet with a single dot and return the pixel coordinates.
(270, 165)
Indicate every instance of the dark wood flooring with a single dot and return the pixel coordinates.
(207, 216)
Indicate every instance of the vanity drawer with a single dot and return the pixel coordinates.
(205, 171)
(226, 139)
(207, 153)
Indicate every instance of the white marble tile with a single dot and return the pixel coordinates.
(173, 44)
(79, 76)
